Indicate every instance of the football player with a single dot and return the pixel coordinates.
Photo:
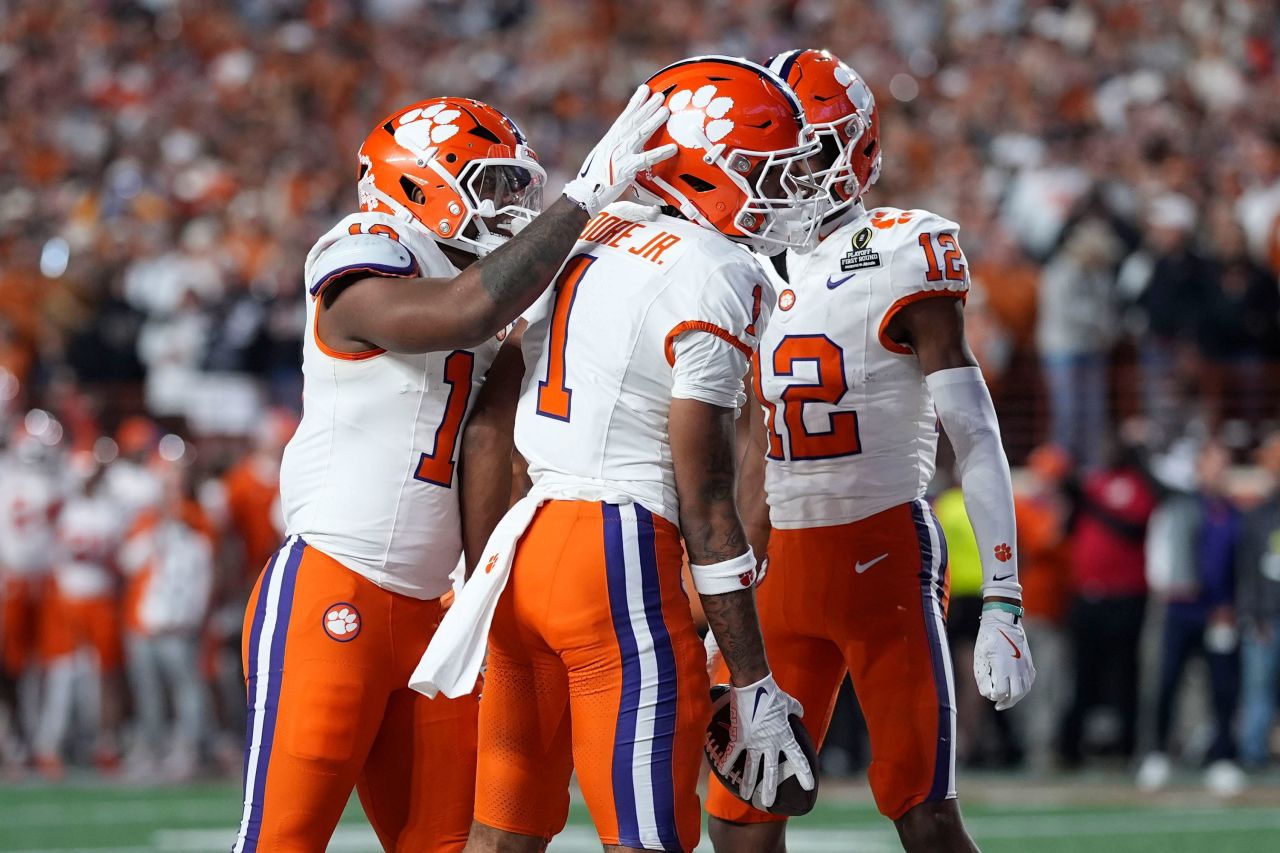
(863, 356)
(632, 375)
(407, 297)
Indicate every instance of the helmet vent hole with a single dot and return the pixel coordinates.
(870, 149)
(412, 191)
(451, 157)
(697, 184)
(486, 134)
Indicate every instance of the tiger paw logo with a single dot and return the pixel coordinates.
(493, 561)
(786, 299)
(426, 128)
(342, 622)
(1003, 552)
(698, 118)
(856, 90)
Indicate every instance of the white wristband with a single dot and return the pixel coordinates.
(732, 575)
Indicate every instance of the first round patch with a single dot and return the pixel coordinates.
(342, 622)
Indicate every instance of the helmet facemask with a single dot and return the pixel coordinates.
(840, 140)
(501, 196)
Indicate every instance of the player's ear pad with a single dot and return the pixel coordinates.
(792, 800)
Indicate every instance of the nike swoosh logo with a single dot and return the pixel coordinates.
(1017, 652)
(832, 284)
(1002, 577)
(760, 692)
(861, 567)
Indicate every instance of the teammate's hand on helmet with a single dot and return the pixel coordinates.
(1002, 659)
(619, 156)
(760, 728)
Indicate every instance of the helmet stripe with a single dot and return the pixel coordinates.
(781, 63)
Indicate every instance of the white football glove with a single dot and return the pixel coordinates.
(759, 727)
(1002, 659)
(613, 164)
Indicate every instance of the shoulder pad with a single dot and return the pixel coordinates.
(374, 254)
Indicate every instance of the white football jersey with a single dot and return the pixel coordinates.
(29, 498)
(852, 429)
(369, 477)
(641, 293)
(89, 533)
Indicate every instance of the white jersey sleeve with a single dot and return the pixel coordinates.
(709, 352)
(925, 260)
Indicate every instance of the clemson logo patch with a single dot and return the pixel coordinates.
(786, 299)
(1003, 552)
(698, 118)
(342, 622)
(419, 130)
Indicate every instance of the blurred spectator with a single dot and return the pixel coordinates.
(1239, 327)
(1169, 277)
(29, 498)
(168, 561)
(1112, 506)
(1199, 533)
(1258, 608)
(84, 652)
(1042, 513)
(1075, 329)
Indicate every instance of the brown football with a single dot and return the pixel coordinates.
(792, 800)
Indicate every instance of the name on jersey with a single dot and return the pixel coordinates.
(640, 239)
(860, 256)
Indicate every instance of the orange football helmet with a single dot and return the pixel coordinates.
(457, 168)
(742, 143)
(842, 111)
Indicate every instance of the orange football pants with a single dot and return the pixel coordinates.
(328, 656)
(71, 624)
(868, 598)
(21, 599)
(595, 664)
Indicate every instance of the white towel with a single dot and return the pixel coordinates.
(451, 664)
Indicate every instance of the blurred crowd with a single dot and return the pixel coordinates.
(126, 562)
(165, 164)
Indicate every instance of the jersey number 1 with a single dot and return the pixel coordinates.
(555, 398)
(437, 466)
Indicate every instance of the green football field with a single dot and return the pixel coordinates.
(1103, 815)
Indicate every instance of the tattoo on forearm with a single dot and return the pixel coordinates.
(716, 534)
(733, 620)
(521, 268)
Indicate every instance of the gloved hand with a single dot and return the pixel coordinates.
(759, 727)
(1002, 659)
(619, 156)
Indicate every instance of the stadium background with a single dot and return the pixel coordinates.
(1115, 167)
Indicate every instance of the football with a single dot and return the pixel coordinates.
(791, 800)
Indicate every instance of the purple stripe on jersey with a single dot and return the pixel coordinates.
(624, 795)
(945, 562)
(374, 269)
(664, 716)
(928, 578)
(275, 675)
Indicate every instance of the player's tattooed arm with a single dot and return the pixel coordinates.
(485, 463)
(703, 455)
(429, 315)
(752, 446)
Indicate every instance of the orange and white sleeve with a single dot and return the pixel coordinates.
(709, 352)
